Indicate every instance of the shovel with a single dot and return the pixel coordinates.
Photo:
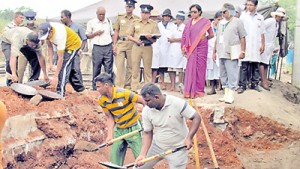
(111, 165)
(90, 147)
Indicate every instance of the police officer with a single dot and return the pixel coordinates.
(122, 47)
(30, 20)
(142, 48)
(33, 60)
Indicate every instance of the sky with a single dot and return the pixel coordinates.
(47, 8)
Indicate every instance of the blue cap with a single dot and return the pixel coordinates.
(44, 30)
(130, 2)
(146, 8)
(30, 15)
(180, 15)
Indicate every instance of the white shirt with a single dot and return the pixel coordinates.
(255, 27)
(270, 36)
(95, 25)
(166, 32)
(174, 54)
(270, 31)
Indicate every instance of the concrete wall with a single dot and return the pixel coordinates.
(296, 62)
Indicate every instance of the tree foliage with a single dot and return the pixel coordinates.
(290, 7)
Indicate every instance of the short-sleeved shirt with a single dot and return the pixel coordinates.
(231, 32)
(169, 123)
(138, 28)
(122, 25)
(16, 37)
(255, 27)
(79, 30)
(121, 107)
(34, 28)
(271, 30)
(95, 25)
(11, 25)
(64, 38)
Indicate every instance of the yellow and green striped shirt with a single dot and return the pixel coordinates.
(121, 107)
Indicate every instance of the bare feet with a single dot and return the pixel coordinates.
(163, 86)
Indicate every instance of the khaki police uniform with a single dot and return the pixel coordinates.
(124, 47)
(22, 62)
(141, 52)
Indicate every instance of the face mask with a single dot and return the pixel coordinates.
(232, 12)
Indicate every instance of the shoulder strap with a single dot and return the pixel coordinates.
(199, 38)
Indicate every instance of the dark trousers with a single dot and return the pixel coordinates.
(30, 55)
(32, 58)
(102, 55)
(69, 73)
(249, 74)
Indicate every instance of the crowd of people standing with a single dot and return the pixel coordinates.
(195, 48)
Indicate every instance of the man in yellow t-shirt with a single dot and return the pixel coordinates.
(67, 43)
(122, 117)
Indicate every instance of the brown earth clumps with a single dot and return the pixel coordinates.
(79, 117)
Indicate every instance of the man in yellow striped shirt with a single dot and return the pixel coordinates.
(122, 117)
(67, 43)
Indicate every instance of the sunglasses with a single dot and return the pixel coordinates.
(193, 11)
(223, 12)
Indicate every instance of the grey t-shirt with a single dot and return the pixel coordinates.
(229, 34)
(79, 30)
(168, 124)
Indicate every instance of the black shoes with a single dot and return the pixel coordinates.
(240, 90)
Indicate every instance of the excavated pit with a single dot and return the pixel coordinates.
(44, 136)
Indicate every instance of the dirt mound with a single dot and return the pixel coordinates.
(291, 93)
(64, 122)
(245, 132)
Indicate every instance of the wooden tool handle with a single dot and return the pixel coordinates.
(195, 144)
(212, 153)
(125, 135)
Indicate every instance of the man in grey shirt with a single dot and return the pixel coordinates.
(230, 41)
(164, 121)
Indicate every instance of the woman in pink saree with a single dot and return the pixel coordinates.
(194, 45)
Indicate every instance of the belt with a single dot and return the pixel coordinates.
(144, 44)
(103, 45)
(122, 38)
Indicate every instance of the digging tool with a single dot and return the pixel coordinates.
(195, 144)
(111, 165)
(90, 147)
(212, 153)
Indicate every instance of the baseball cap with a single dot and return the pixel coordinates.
(44, 30)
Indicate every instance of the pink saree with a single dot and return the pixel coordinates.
(197, 48)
